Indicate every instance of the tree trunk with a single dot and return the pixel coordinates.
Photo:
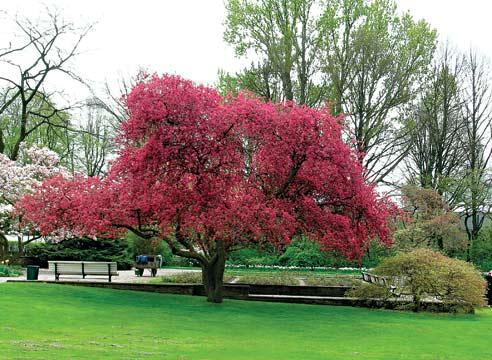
(213, 277)
(20, 246)
(4, 247)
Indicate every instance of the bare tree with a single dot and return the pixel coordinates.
(374, 59)
(477, 116)
(105, 114)
(46, 47)
(95, 143)
(112, 101)
(286, 36)
(436, 129)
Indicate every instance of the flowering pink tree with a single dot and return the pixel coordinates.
(18, 178)
(208, 175)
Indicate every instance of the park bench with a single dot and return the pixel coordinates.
(83, 268)
(379, 280)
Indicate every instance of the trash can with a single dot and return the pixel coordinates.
(32, 272)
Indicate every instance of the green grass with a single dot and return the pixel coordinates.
(276, 270)
(267, 277)
(42, 321)
(295, 270)
(284, 278)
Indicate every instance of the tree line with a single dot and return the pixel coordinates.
(416, 110)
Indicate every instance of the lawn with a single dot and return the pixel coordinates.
(42, 321)
(272, 277)
(259, 269)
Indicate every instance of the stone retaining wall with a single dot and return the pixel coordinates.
(321, 295)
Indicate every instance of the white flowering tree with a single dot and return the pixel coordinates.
(18, 178)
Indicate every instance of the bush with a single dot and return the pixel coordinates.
(368, 291)
(141, 246)
(253, 256)
(375, 254)
(178, 261)
(425, 274)
(303, 253)
(481, 250)
(9, 271)
(83, 249)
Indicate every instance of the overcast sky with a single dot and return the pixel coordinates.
(185, 36)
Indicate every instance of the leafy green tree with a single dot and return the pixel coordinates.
(46, 126)
(375, 58)
(481, 249)
(303, 253)
(286, 36)
(361, 55)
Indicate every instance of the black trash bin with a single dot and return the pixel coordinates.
(32, 272)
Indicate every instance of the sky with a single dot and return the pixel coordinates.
(185, 36)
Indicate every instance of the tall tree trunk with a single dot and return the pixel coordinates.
(287, 86)
(213, 275)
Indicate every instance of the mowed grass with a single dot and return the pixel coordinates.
(42, 321)
(275, 277)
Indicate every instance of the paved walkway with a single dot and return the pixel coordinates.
(125, 276)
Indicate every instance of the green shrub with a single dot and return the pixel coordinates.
(178, 261)
(303, 253)
(425, 274)
(253, 256)
(9, 271)
(481, 250)
(375, 254)
(83, 249)
(370, 291)
(141, 246)
(306, 253)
